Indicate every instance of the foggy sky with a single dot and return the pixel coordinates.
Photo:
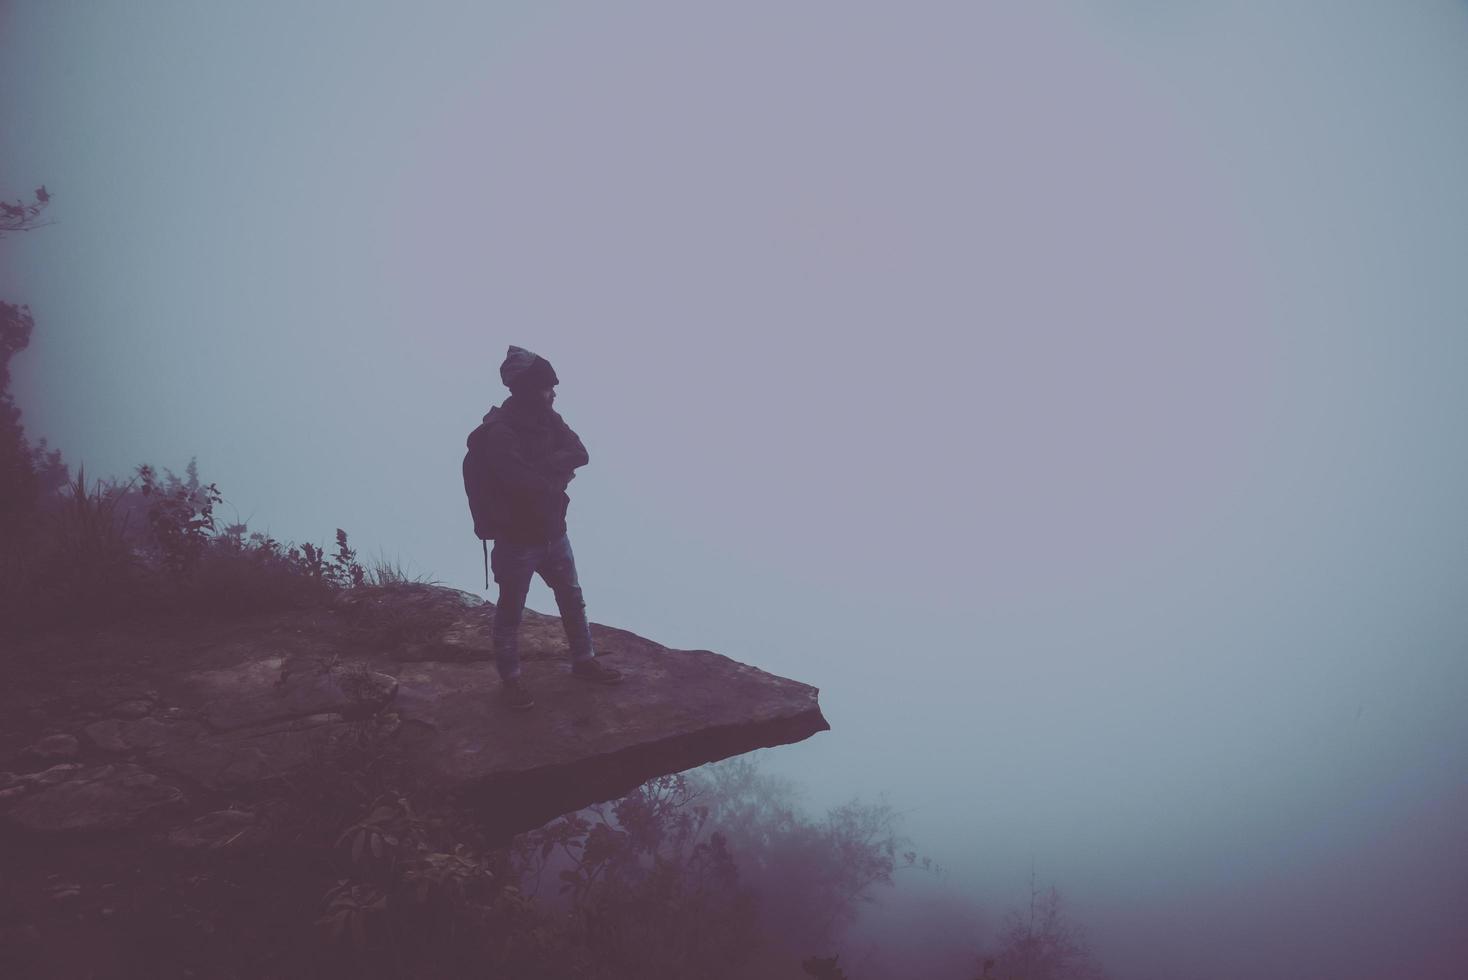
(1074, 393)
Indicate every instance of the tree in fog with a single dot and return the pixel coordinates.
(27, 472)
(811, 876)
(1041, 943)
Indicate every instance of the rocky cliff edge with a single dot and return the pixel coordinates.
(157, 726)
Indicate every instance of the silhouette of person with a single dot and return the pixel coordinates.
(530, 456)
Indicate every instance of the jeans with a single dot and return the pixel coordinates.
(514, 565)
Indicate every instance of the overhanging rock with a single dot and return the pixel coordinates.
(583, 742)
(166, 716)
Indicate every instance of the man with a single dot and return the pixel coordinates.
(529, 455)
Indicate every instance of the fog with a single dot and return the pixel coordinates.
(1073, 393)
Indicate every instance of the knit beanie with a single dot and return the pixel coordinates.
(525, 370)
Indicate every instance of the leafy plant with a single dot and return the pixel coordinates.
(350, 907)
(181, 516)
(371, 839)
(448, 878)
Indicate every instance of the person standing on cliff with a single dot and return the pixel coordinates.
(528, 455)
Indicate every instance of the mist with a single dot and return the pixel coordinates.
(1072, 393)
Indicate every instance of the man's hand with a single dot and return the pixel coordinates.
(560, 467)
(557, 472)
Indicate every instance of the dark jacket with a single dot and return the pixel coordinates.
(530, 454)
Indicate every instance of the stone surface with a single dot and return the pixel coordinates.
(265, 689)
(60, 746)
(116, 735)
(110, 797)
(248, 701)
(584, 743)
(213, 831)
(49, 777)
(132, 709)
(247, 755)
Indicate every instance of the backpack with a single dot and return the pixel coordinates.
(479, 487)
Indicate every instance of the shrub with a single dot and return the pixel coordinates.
(152, 546)
(74, 558)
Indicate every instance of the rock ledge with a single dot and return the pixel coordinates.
(231, 707)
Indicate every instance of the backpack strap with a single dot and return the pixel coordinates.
(486, 563)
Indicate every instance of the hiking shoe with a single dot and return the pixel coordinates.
(515, 695)
(592, 670)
